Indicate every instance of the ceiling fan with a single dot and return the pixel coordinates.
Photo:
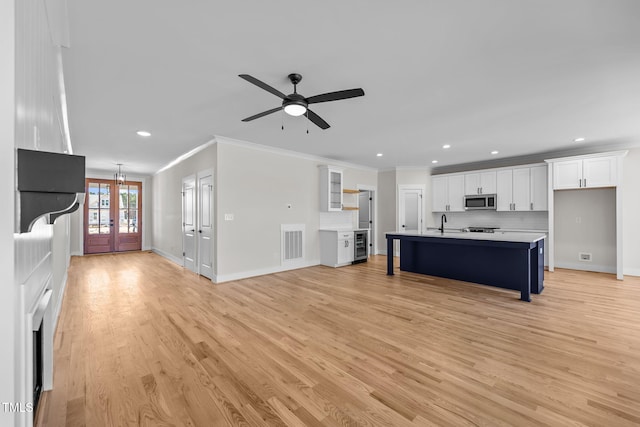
(295, 104)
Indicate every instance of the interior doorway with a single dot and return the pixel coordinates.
(198, 223)
(366, 208)
(189, 223)
(410, 207)
(112, 216)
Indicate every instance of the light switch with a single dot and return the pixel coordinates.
(228, 217)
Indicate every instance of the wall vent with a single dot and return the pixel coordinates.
(584, 256)
(292, 243)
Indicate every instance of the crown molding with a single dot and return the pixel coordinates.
(290, 153)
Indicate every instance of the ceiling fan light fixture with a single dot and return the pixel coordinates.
(295, 109)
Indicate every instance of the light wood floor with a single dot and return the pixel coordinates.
(141, 341)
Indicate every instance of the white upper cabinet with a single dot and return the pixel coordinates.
(330, 189)
(600, 172)
(522, 189)
(504, 193)
(480, 183)
(539, 188)
(448, 193)
(585, 173)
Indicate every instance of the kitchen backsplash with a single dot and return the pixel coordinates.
(340, 220)
(509, 220)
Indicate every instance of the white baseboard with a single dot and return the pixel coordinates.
(631, 271)
(262, 272)
(168, 256)
(383, 252)
(586, 266)
(243, 274)
(77, 254)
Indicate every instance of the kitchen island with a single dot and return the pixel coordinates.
(506, 260)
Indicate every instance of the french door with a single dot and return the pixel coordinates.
(112, 216)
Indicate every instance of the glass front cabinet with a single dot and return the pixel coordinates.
(330, 189)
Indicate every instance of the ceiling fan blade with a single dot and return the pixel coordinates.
(317, 120)
(264, 113)
(335, 96)
(262, 85)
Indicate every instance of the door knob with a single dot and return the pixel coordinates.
(199, 231)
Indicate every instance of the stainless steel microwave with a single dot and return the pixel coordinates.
(476, 202)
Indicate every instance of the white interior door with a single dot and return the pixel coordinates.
(189, 222)
(410, 210)
(205, 221)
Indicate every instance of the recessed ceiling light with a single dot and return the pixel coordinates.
(143, 133)
(379, 154)
(445, 146)
(494, 152)
(578, 139)
(434, 161)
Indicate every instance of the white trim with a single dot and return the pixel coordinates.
(632, 271)
(589, 156)
(185, 156)
(168, 256)
(290, 153)
(587, 267)
(262, 272)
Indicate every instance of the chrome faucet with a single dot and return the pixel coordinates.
(443, 219)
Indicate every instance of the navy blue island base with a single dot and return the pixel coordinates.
(517, 265)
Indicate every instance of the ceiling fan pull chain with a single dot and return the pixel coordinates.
(307, 113)
(282, 118)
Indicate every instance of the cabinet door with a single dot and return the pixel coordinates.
(504, 190)
(456, 193)
(567, 174)
(538, 176)
(335, 190)
(439, 193)
(471, 183)
(521, 189)
(488, 182)
(345, 250)
(600, 172)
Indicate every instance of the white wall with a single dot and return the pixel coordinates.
(256, 187)
(631, 212)
(9, 291)
(585, 221)
(387, 207)
(34, 115)
(166, 201)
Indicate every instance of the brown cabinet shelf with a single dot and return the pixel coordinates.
(349, 191)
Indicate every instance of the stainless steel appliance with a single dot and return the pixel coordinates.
(482, 201)
(360, 248)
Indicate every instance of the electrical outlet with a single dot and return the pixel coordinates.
(584, 256)
(228, 217)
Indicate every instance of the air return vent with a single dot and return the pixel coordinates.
(292, 243)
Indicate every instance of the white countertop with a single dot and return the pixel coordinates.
(344, 230)
(498, 236)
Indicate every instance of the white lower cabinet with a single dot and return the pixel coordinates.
(336, 248)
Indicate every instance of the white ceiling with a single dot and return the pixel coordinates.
(517, 76)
